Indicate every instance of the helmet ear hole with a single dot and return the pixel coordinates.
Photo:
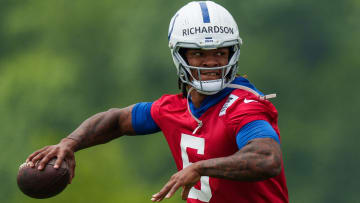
(182, 52)
(231, 52)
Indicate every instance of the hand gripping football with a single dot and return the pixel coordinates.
(45, 183)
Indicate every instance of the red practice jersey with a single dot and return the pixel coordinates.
(217, 138)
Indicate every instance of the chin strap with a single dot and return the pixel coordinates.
(188, 107)
(265, 97)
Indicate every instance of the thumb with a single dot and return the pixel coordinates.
(71, 164)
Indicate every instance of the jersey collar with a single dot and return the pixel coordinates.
(211, 100)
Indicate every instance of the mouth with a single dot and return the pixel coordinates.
(210, 73)
(207, 74)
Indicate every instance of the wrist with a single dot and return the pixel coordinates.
(198, 167)
(71, 143)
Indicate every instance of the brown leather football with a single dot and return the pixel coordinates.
(45, 183)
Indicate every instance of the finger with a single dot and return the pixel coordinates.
(37, 158)
(156, 198)
(160, 195)
(173, 190)
(185, 192)
(59, 160)
(45, 160)
(31, 156)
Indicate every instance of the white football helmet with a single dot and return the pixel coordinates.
(204, 25)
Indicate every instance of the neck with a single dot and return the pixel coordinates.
(197, 98)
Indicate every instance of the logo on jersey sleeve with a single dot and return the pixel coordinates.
(249, 100)
(231, 99)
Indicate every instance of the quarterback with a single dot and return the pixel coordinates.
(221, 130)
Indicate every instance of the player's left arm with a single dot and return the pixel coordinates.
(260, 159)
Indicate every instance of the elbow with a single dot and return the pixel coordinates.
(120, 120)
(114, 114)
(274, 166)
(274, 171)
(113, 111)
(112, 119)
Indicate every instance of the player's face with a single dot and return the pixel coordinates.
(208, 59)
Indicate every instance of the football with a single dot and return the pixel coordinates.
(45, 183)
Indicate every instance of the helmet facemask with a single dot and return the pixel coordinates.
(208, 87)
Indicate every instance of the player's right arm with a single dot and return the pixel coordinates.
(102, 128)
(98, 129)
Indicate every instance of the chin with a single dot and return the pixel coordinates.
(205, 78)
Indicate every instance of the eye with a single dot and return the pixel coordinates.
(197, 53)
(220, 53)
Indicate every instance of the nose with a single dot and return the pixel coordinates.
(210, 61)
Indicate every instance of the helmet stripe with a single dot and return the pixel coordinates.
(205, 12)
(172, 26)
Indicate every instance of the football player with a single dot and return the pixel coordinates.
(221, 130)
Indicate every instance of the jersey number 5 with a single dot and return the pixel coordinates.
(198, 143)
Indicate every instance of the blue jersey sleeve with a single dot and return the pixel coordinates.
(141, 120)
(255, 129)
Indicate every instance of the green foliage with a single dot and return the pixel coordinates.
(62, 61)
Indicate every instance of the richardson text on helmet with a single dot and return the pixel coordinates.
(207, 29)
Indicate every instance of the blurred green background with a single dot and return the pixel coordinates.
(63, 61)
